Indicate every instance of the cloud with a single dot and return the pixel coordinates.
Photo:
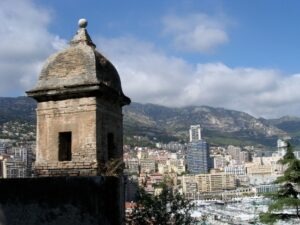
(196, 32)
(25, 44)
(150, 76)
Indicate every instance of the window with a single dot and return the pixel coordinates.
(65, 146)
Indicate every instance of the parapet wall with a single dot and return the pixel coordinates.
(61, 201)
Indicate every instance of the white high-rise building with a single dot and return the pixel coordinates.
(195, 133)
(282, 147)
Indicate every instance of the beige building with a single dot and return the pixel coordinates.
(163, 168)
(171, 166)
(219, 161)
(147, 165)
(262, 170)
(132, 165)
(265, 166)
(276, 168)
(215, 182)
(189, 184)
(238, 155)
(79, 111)
(177, 166)
(208, 183)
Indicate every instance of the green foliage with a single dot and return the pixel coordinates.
(167, 208)
(268, 218)
(292, 173)
(289, 156)
(287, 196)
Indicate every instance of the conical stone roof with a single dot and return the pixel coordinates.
(79, 70)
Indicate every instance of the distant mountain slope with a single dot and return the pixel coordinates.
(20, 108)
(220, 126)
(291, 125)
(287, 123)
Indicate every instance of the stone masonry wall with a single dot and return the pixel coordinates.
(73, 115)
(90, 120)
(109, 120)
(61, 201)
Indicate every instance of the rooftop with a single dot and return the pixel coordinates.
(78, 70)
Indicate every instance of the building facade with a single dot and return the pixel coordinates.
(205, 183)
(195, 133)
(282, 147)
(215, 182)
(198, 160)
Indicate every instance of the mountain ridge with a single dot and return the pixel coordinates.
(215, 121)
(220, 125)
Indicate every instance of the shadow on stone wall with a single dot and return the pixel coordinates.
(61, 200)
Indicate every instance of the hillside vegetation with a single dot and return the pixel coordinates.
(160, 123)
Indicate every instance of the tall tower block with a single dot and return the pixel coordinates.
(195, 133)
(79, 111)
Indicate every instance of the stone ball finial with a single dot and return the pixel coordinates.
(82, 23)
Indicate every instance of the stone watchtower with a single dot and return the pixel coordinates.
(79, 112)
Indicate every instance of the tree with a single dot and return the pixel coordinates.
(287, 197)
(167, 208)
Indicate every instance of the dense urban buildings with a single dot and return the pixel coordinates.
(200, 171)
(16, 158)
(187, 165)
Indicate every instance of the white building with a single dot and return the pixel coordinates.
(195, 133)
(282, 147)
(219, 161)
(235, 170)
(297, 154)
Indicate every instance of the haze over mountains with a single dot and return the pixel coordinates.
(220, 126)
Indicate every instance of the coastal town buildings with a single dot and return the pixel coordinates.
(219, 172)
(17, 161)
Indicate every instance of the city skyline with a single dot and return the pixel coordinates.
(236, 55)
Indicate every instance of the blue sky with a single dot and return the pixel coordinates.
(241, 55)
